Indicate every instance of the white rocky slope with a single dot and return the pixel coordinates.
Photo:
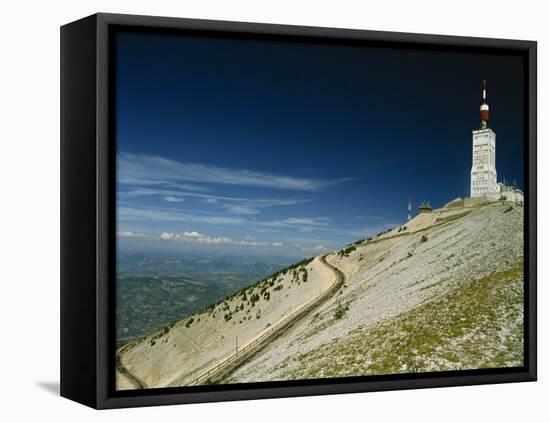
(177, 354)
(443, 292)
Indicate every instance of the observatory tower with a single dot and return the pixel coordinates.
(483, 181)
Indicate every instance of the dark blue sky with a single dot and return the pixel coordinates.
(297, 146)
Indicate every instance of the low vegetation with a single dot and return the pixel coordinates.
(340, 311)
(345, 252)
(251, 295)
(478, 325)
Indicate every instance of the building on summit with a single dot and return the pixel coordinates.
(483, 179)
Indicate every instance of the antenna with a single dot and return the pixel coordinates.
(409, 215)
(484, 108)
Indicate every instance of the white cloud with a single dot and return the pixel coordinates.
(131, 234)
(172, 199)
(317, 249)
(146, 169)
(195, 237)
(193, 234)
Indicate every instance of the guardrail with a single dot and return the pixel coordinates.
(273, 329)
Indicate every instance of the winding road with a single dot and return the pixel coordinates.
(229, 363)
(134, 380)
(252, 346)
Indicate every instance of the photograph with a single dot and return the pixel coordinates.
(297, 209)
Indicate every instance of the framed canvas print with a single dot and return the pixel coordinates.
(255, 211)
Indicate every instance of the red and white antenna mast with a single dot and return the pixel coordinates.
(484, 108)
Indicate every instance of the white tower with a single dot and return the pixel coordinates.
(483, 181)
(409, 209)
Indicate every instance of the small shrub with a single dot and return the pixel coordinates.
(278, 287)
(254, 299)
(424, 238)
(340, 311)
(345, 252)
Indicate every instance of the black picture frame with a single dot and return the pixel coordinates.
(88, 213)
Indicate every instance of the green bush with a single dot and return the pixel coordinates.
(340, 311)
(345, 252)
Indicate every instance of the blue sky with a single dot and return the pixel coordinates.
(296, 148)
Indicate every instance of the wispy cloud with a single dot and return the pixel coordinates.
(369, 217)
(302, 224)
(308, 221)
(233, 205)
(172, 199)
(146, 169)
(154, 214)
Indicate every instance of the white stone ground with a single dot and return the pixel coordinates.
(397, 272)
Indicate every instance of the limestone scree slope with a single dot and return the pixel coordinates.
(443, 291)
(177, 354)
